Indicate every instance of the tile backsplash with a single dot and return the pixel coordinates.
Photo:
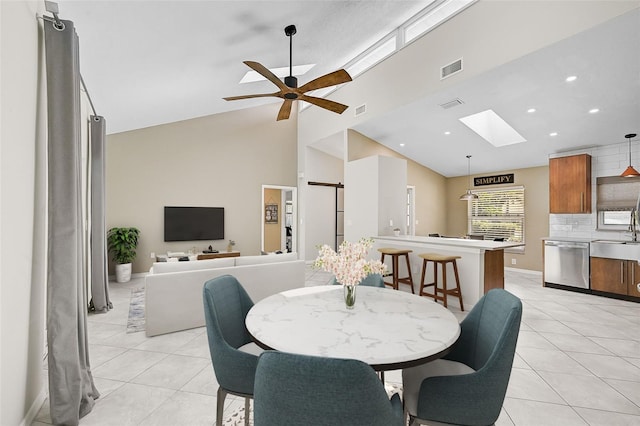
(609, 160)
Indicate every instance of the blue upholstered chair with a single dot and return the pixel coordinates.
(233, 354)
(468, 385)
(307, 390)
(371, 280)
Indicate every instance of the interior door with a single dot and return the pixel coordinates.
(278, 218)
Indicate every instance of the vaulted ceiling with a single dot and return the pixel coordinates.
(151, 62)
(158, 61)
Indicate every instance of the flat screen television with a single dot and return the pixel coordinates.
(193, 223)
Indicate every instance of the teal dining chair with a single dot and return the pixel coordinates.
(233, 354)
(371, 280)
(468, 385)
(292, 390)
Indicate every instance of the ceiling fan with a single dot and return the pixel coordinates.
(289, 90)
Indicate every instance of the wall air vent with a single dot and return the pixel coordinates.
(451, 69)
(453, 103)
(361, 110)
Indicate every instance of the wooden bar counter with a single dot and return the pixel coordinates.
(481, 266)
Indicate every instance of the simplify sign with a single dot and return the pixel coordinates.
(493, 180)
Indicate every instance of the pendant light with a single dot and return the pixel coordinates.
(468, 195)
(630, 171)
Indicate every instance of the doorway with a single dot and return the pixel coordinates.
(278, 219)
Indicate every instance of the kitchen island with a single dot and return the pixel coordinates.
(481, 263)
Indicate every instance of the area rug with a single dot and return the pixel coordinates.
(236, 418)
(135, 323)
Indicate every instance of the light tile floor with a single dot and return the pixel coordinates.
(577, 363)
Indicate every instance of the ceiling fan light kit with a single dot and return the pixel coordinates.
(289, 90)
(630, 171)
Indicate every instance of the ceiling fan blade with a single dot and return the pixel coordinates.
(324, 103)
(285, 110)
(264, 71)
(260, 95)
(327, 80)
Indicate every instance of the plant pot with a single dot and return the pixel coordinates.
(396, 233)
(123, 272)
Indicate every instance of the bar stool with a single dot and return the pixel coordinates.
(443, 260)
(395, 254)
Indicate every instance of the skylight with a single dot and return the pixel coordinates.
(298, 70)
(491, 127)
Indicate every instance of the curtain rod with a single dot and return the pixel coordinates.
(88, 96)
(53, 8)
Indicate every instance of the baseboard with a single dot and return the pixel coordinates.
(524, 271)
(34, 409)
(112, 278)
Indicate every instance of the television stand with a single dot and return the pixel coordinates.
(203, 256)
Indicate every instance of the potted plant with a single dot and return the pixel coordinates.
(349, 265)
(122, 244)
(396, 231)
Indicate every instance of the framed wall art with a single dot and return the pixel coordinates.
(271, 213)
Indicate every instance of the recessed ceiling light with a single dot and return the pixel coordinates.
(553, 134)
(571, 78)
(447, 133)
(594, 110)
(401, 144)
(298, 70)
(531, 110)
(492, 128)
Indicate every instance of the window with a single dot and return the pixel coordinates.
(411, 210)
(498, 213)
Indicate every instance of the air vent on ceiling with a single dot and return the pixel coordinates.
(452, 103)
(451, 69)
(361, 109)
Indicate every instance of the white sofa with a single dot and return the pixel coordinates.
(173, 290)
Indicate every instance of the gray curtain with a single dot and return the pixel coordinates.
(72, 393)
(100, 301)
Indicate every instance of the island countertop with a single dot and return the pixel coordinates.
(451, 241)
(480, 262)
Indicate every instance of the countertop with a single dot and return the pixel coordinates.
(447, 241)
(570, 239)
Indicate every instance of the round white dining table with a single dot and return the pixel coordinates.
(387, 329)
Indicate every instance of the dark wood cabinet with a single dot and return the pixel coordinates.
(634, 278)
(570, 184)
(615, 276)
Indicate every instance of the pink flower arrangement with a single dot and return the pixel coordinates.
(349, 264)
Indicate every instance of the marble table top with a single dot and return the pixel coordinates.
(387, 329)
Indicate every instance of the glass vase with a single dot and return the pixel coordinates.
(349, 296)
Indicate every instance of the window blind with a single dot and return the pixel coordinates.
(498, 213)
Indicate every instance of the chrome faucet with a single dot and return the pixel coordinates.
(633, 224)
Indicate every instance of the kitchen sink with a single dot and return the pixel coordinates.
(616, 242)
(616, 249)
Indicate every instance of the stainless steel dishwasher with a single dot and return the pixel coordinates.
(566, 263)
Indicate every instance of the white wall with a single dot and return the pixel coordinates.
(392, 194)
(375, 196)
(361, 198)
(319, 217)
(21, 228)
